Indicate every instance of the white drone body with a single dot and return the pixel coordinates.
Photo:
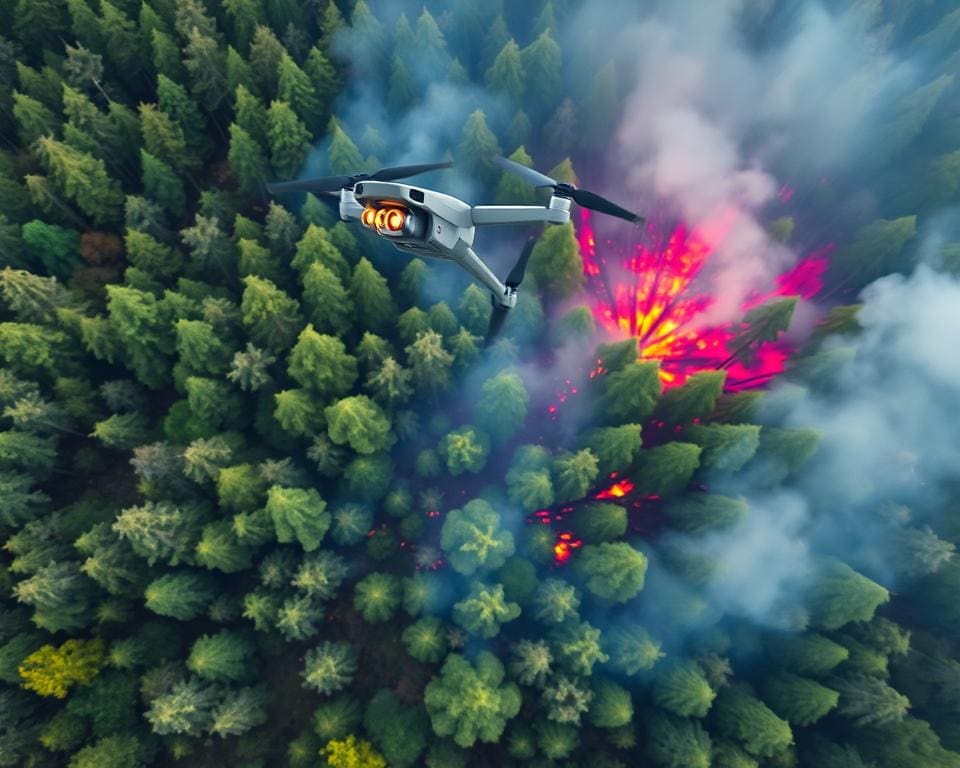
(440, 226)
(427, 223)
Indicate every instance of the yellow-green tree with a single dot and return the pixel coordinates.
(53, 671)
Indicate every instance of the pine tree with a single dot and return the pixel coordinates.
(556, 263)
(247, 161)
(506, 74)
(180, 594)
(289, 139)
(371, 297)
(187, 708)
(377, 597)
(295, 88)
(270, 316)
(239, 711)
(205, 62)
(223, 657)
(329, 667)
(478, 147)
(541, 61)
(798, 700)
(745, 719)
(679, 743)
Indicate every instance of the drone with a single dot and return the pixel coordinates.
(435, 225)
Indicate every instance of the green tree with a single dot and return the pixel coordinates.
(122, 431)
(316, 245)
(399, 731)
(615, 447)
(566, 700)
(631, 648)
(295, 88)
(682, 688)
(679, 743)
(205, 62)
(60, 594)
(271, 317)
(484, 609)
(359, 422)
(506, 74)
(328, 304)
(298, 514)
(612, 706)
(666, 470)
(574, 474)
(390, 383)
(478, 147)
(371, 297)
(747, 720)
(870, 700)
(555, 601)
(238, 712)
(577, 646)
(502, 406)
(34, 120)
(429, 362)
(612, 571)
(472, 539)
(187, 708)
(248, 161)
(54, 247)
(321, 364)
(377, 597)
(180, 594)
(83, 179)
(470, 702)
(799, 700)
(223, 657)
(531, 662)
(556, 264)
(701, 512)
(842, 595)
(289, 139)
(426, 640)
(161, 183)
(464, 450)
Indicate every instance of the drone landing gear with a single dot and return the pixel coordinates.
(503, 305)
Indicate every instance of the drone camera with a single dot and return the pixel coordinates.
(393, 220)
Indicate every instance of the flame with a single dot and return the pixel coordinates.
(564, 547)
(657, 293)
(617, 491)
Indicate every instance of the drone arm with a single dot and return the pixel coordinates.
(466, 258)
(556, 212)
(349, 207)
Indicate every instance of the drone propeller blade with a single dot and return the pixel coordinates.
(529, 175)
(405, 171)
(497, 318)
(595, 202)
(519, 269)
(321, 184)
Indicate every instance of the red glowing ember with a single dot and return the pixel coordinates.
(564, 547)
(656, 293)
(616, 491)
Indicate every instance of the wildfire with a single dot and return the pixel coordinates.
(657, 292)
(564, 547)
(618, 490)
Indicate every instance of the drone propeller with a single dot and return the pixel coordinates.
(581, 197)
(336, 183)
(499, 313)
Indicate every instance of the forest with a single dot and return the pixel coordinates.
(268, 498)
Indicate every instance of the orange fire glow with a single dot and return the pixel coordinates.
(564, 547)
(657, 293)
(618, 490)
